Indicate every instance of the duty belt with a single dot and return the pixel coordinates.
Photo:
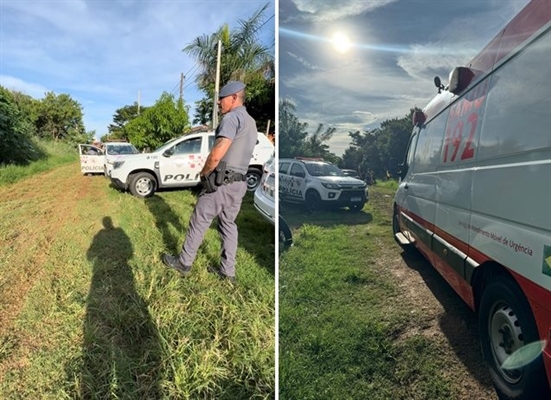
(230, 177)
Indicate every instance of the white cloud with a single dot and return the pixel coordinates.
(329, 10)
(34, 90)
(102, 53)
(302, 61)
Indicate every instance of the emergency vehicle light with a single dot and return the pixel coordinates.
(460, 78)
(418, 118)
(309, 158)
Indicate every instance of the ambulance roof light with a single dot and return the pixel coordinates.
(460, 77)
(418, 118)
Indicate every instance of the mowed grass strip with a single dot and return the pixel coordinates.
(342, 320)
(107, 320)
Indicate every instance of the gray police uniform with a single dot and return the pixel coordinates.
(225, 202)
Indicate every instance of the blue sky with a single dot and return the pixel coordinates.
(108, 54)
(395, 49)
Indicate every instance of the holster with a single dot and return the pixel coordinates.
(208, 182)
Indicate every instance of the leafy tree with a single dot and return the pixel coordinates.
(380, 150)
(291, 132)
(203, 111)
(16, 129)
(122, 117)
(294, 140)
(28, 107)
(242, 58)
(315, 144)
(59, 117)
(165, 120)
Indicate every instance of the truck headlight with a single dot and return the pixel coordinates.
(118, 164)
(332, 186)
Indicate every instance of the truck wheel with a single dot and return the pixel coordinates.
(253, 177)
(142, 184)
(506, 324)
(313, 201)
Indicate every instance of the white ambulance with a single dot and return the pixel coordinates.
(177, 164)
(475, 197)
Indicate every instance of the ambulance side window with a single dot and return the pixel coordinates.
(517, 109)
(190, 146)
(409, 156)
(429, 144)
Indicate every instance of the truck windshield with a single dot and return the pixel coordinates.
(121, 149)
(323, 169)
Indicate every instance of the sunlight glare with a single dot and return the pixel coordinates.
(341, 42)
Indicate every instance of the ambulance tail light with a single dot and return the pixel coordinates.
(460, 78)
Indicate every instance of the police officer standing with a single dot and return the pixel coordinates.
(223, 177)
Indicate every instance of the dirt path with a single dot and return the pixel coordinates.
(51, 199)
(443, 316)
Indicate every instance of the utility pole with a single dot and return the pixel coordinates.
(138, 102)
(181, 85)
(216, 88)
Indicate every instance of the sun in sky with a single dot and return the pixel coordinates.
(341, 42)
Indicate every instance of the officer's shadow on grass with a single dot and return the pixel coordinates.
(121, 350)
(164, 217)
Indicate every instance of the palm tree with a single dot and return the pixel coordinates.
(242, 58)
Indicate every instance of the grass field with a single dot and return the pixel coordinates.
(348, 329)
(87, 309)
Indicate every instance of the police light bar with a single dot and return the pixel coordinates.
(309, 158)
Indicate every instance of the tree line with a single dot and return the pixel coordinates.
(374, 154)
(24, 121)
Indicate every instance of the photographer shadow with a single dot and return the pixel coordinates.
(121, 350)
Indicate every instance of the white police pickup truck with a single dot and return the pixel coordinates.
(316, 183)
(99, 160)
(177, 164)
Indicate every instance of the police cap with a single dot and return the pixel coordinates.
(230, 88)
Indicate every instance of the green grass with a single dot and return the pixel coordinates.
(391, 184)
(103, 318)
(341, 326)
(56, 154)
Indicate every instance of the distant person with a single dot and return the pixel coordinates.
(222, 195)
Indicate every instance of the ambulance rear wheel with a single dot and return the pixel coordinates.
(142, 185)
(506, 325)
